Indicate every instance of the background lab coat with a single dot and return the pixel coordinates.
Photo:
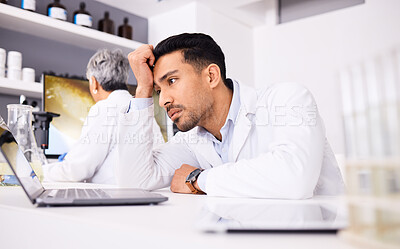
(94, 155)
(278, 150)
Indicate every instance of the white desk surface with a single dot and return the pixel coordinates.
(171, 224)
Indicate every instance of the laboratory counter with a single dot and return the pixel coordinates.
(184, 221)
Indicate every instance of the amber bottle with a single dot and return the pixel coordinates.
(106, 24)
(125, 30)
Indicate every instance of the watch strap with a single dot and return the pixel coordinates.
(190, 181)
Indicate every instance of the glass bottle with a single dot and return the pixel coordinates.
(82, 17)
(57, 10)
(125, 30)
(20, 125)
(106, 24)
(28, 5)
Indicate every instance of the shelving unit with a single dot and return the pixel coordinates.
(36, 24)
(374, 203)
(17, 87)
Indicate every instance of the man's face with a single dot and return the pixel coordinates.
(184, 93)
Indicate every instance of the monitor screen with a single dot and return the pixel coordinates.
(72, 100)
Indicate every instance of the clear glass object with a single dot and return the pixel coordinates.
(20, 125)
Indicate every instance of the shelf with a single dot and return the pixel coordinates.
(36, 24)
(391, 204)
(383, 163)
(17, 87)
(365, 242)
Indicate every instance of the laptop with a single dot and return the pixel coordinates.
(65, 197)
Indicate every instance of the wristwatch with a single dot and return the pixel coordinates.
(191, 179)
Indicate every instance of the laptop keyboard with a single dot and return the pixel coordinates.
(81, 194)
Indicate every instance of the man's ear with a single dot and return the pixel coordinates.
(94, 83)
(214, 75)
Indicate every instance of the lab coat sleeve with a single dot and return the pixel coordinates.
(89, 152)
(290, 166)
(141, 164)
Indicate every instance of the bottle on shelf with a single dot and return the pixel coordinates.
(57, 10)
(82, 17)
(106, 24)
(125, 30)
(28, 5)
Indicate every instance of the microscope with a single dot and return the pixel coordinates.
(41, 126)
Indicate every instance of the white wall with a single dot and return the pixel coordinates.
(312, 50)
(174, 22)
(235, 39)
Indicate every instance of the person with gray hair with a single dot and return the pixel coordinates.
(108, 70)
(94, 155)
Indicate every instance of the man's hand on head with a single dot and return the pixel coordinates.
(141, 61)
(178, 183)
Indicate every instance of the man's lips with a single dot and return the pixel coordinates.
(174, 113)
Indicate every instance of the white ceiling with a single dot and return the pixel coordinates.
(249, 12)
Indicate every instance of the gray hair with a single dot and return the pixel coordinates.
(110, 68)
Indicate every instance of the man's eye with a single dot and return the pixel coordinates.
(158, 91)
(171, 81)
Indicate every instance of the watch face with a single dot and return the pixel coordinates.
(192, 174)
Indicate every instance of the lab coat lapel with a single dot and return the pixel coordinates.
(206, 148)
(243, 125)
(240, 134)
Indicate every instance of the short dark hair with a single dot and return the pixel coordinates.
(199, 50)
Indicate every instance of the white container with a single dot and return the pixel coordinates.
(2, 57)
(14, 60)
(14, 74)
(28, 74)
(83, 20)
(57, 13)
(28, 5)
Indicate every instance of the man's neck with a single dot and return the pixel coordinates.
(103, 94)
(220, 111)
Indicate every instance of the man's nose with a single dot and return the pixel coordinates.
(164, 99)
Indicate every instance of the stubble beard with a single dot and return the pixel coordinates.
(193, 117)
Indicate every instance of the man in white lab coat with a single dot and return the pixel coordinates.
(235, 141)
(93, 156)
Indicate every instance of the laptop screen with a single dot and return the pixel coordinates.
(18, 162)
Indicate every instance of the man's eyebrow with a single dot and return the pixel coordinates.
(166, 75)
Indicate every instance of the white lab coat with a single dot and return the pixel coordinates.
(278, 150)
(93, 156)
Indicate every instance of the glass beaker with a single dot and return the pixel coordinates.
(20, 125)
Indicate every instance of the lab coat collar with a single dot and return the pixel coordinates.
(243, 124)
(205, 147)
(117, 94)
(242, 127)
(235, 103)
(248, 99)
